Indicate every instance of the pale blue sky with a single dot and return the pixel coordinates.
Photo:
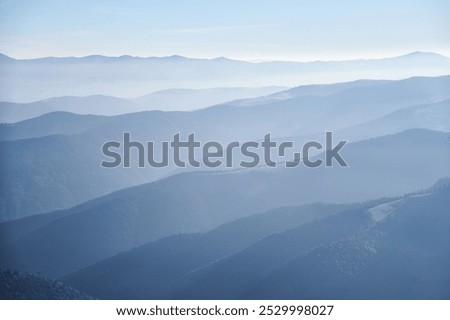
(251, 30)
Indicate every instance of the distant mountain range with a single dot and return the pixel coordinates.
(125, 76)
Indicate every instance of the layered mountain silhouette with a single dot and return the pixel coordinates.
(160, 264)
(200, 201)
(126, 76)
(374, 229)
(49, 162)
(165, 100)
(384, 249)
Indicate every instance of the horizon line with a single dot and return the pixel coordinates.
(224, 58)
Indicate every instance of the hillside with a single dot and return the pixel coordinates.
(29, 286)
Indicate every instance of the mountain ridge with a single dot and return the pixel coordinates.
(221, 58)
